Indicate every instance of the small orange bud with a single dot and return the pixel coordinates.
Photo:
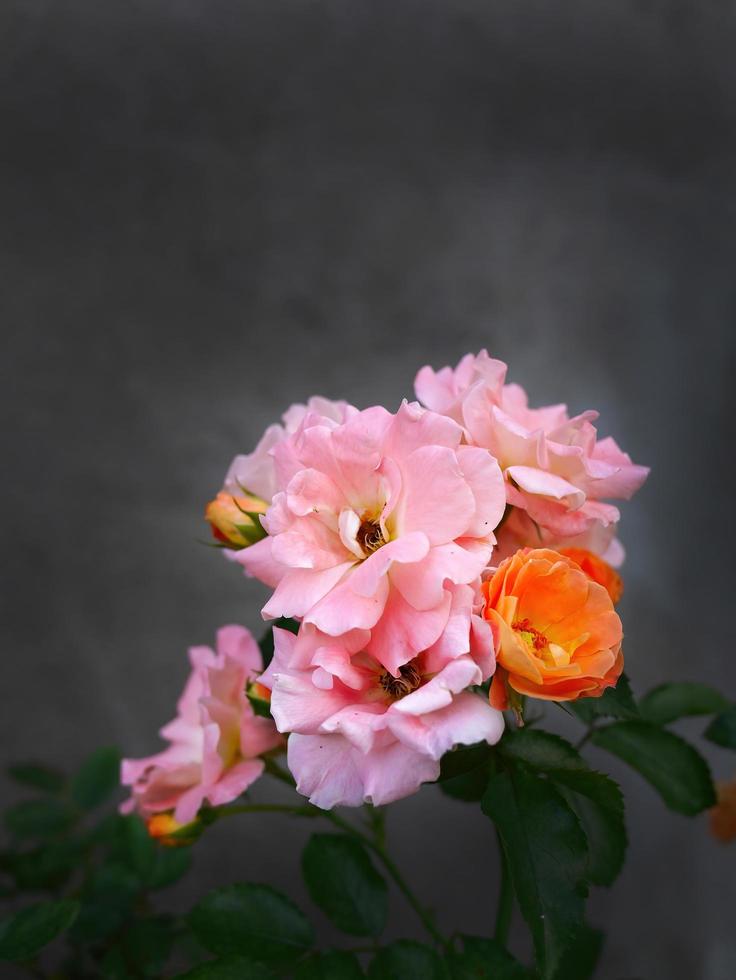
(597, 570)
(259, 691)
(723, 815)
(164, 828)
(234, 520)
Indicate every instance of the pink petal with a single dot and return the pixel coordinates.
(484, 477)
(342, 609)
(297, 705)
(468, 719)
(438, 692)
(423, 584)
(402, 632)
(301, 589)
(235, 781)
(436, 498)
(325, 768)
(543, 484)
(258, 562)
(411, 547)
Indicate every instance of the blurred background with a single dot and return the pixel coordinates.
(213, 209)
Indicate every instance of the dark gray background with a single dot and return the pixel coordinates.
(212, 209)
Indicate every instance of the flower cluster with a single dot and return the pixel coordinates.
(437, 562)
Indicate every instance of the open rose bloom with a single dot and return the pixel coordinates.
(361, 733)
(559, 475)
(215, 739)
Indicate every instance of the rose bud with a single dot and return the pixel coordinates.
(234, 520)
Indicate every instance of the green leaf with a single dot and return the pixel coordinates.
(337, 964)
(581, 957)
(38, 777)
(615, 702)
(135, 847)
(464, 772)
(24, 934)
(146, 944)
(342, 880)
(722, 730)
(406, 960)
(596, 799)
(48, 866)
(39, 819)
(97, 779)
(599, 805)
(668, 702)
(251, 920)
(541, 750)
(547, 854)
(266, 641)
(485, 959)
(107, 901)
(228, 968)
(672, 766)
(169, 865)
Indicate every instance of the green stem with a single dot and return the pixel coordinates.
(586, 737)
(505, 900)
(297, 811)
(391, 868)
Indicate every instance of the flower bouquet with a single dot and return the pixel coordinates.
(441, 580)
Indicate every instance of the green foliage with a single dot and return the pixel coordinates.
(39, 819)
(228, 968)
(672, 766)
(484, 959)
(251, 920)
(333, 965)
(581, 956)
(464, 772)
(343, 882)
(24, 934)
(546, 850)
(668, 702)
(615, 702)
(722, 730)
(37, 776)
(595, 799)
(98, 778)
(405, 960)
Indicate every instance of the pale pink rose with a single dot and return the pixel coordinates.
(373, 518)
(215, 740)
(255, 473)
(556, 469)
(358, 733)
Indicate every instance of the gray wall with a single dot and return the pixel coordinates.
(211, 209)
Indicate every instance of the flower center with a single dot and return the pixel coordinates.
(370, 536)
(408, 680)
(531, 636)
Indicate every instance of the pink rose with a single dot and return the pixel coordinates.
(556, 469)
(371, 520)
(360, 733)
(215, 740)
(255, 473)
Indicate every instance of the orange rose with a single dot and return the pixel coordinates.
(723, 815)
(556, 632)
(598, 570)
(231, 521)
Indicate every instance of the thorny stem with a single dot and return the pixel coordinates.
(377, 845)
(394, 872)
(586, 737)
(231, 811)
(505, 899)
